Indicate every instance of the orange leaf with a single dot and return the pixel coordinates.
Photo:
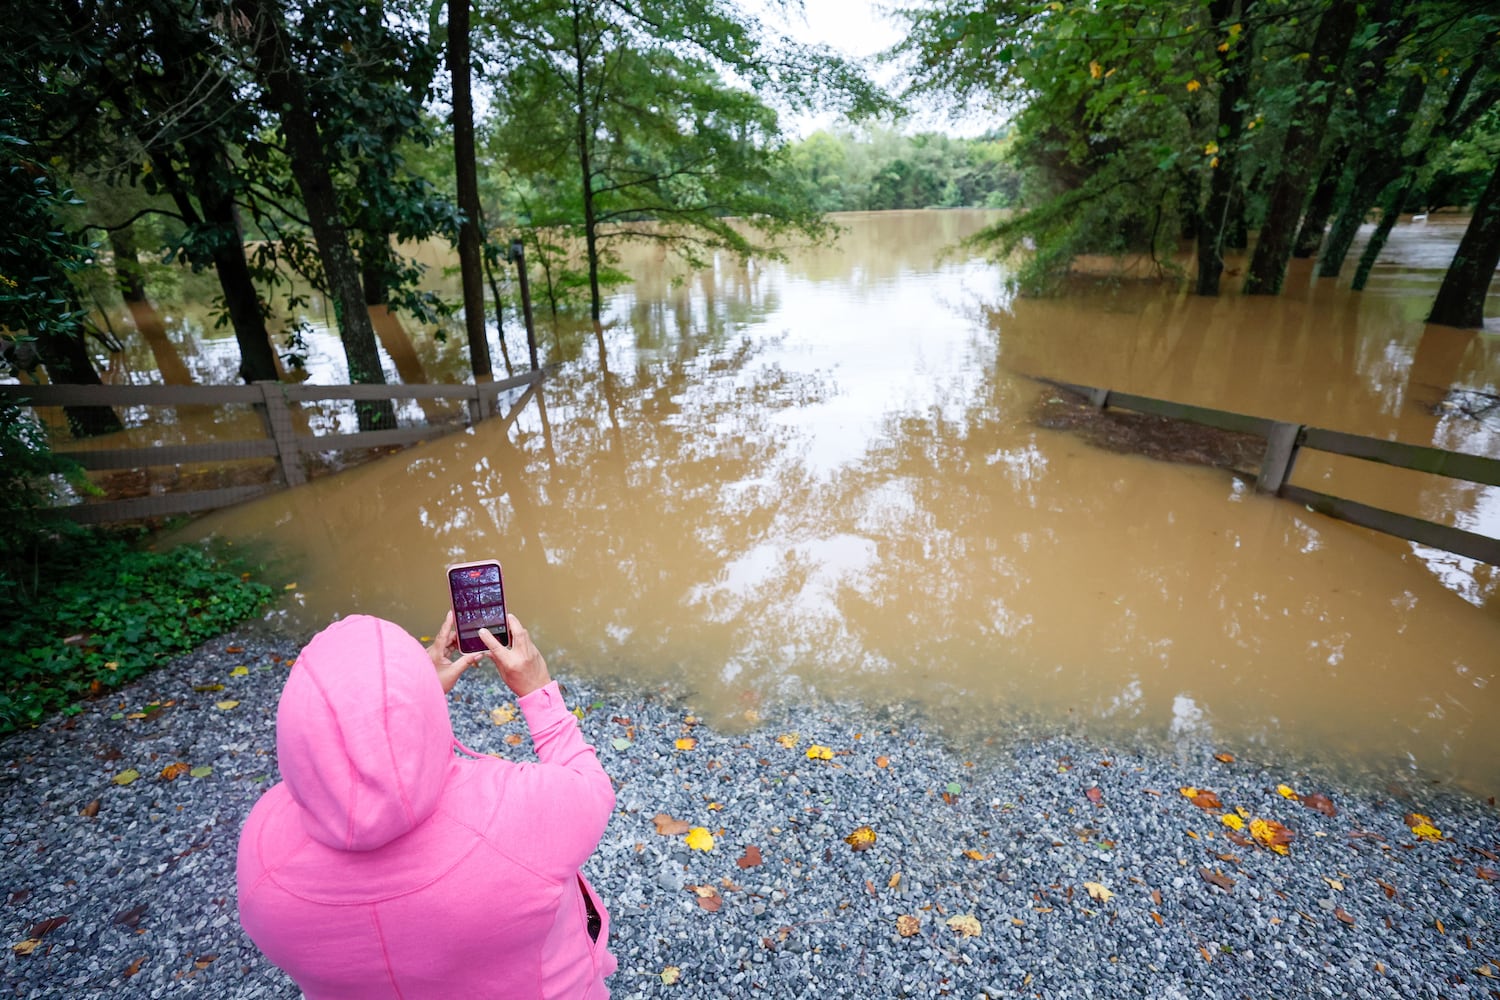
(1207, 800)
(1224, 758)
(134, 967)
(1321, 803)
(750, 858)
(882, 761)
(974, 855)
(686, 743)
(708, 897)
(1157, 917)
(861, 839)
(514, 739)
(908, 926)
(174, 771)
(1217, 878)
(1095, 795)
(669, 827)
(1342, 915)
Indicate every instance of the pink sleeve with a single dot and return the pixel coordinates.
(574, 796)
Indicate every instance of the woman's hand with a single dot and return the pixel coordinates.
(446, 643)
(521, 666)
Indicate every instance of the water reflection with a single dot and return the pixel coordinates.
(822, 476)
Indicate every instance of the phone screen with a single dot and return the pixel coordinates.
(478, 602)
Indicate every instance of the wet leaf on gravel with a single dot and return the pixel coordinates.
(1390, 890)
(174, 771)
(861, 839)
(1098, 892)
(1269, 833)
(514, 739)
(204, 961)
(669, 827)
(1422, 828)
(240, 671)
(708, 897)
(974, 855)
(1217, 878)
(751, 858)
(1207, 801)
(1285, 791)
(1333, 883)
(1232, 821)
(1095, 795)
(1343, 915)
(893, 881)
(685, 743)
(134, 967)
(1488, 874)
(234, 649)
(503, 714)
(92, 809)
(201, 771)
(699, 839)
(24, 948)
(908, 926)
(670, 975)
(816, 752)
(207, 688)
(126, 776)
(1224, 758)
(621, 743)
(42, 928)
(1321, 803)
(882, 761)
(789, 740)
(225, 705)
(965, 925)
(132, 917)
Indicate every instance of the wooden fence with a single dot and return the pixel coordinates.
(274, 402)
(1285, 440)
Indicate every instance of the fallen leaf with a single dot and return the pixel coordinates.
(26, 947)
(1158, 918)
(686, 743)
(621, 743)
(1188, 791)
(1285, 791)
(708, 897)
(42, 928)
(1095, 795)
(1342, 915)
(126, 776)
(1390, 890)
(503, 714)
(1333, 883)
(1224, 758)
(1207, 801)
(974, 855)
(1422, 828)
(1488, 874)
(234, 649)
(1232, 821)
(1204, 952)
(225, 706)
(816, 752)
(1321, 803)
(1239, 840)
(201, 771)
(670, 975)
(699, 839)
(1439, 925)
(134, 967)
(514, 739)
(1098, 892)
(789, 740)
(132, 917)
(290, 586)
(882, 761)
(174, 771)
(908, 926)
(669, 827)
(92, 809)
(965, 925)
(1272, 834)
(1217, 878)
(1156, 896)
(207, 688)
(204, 961)
(751, 858)
(239, 671)
(894, 881)
(861, 839)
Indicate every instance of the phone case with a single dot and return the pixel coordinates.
(476, 591)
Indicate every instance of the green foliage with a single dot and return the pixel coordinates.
(98, 612)
(876, 169)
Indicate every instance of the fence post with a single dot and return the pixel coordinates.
(1280, 456)
(278, 418)
(1098, 398)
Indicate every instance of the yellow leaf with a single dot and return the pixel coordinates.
(907, 925)
(895, 881)
(1242, 812)
(974, 855)
(789, 740)
(699, 839)
(1193, 86)
(1188, 792)
(1333, 883)
(1213, 163)
(670, 975)
(290, 586)
(816, 752)
(1098, 892)
(862, 839)
(1095, 70)
(686, 743)
(1272, 834)
(126, 777)
(239, 671)
(578, 713)
(1223, 46)
(1285, 791)
(965, 925)
(225, 705)
(26, 947)
(1210, 150)
(1232, 821)
(112, 665)
(503, 714)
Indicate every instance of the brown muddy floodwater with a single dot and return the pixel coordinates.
(821, 477)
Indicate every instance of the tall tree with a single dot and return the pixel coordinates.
(1460, 300)
(470, 242)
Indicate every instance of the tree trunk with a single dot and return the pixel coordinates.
(470, 250)
(68, 363)
(129, 277)
(375, 268)
(287, 93)
(1298, 156)
(1320, 207)
(1460, 301)
(1390, 211)
(585, 166)
(1221, 184)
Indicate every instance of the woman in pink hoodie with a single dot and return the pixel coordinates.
(387, 865)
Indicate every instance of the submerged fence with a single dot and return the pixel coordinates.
(1285, 440)
(280, 441)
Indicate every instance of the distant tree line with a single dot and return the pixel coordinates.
(879, 168)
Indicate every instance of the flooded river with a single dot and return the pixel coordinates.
(822, 477)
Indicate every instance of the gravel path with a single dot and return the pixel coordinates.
(137, 880)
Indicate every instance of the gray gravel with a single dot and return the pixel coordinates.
(1359, 907)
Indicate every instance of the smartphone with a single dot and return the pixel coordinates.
(478, 595)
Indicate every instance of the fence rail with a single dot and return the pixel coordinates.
(1285, 440)
(274, 401)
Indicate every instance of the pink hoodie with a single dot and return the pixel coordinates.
(384, 865)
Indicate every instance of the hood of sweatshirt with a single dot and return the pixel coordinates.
(363, 736)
